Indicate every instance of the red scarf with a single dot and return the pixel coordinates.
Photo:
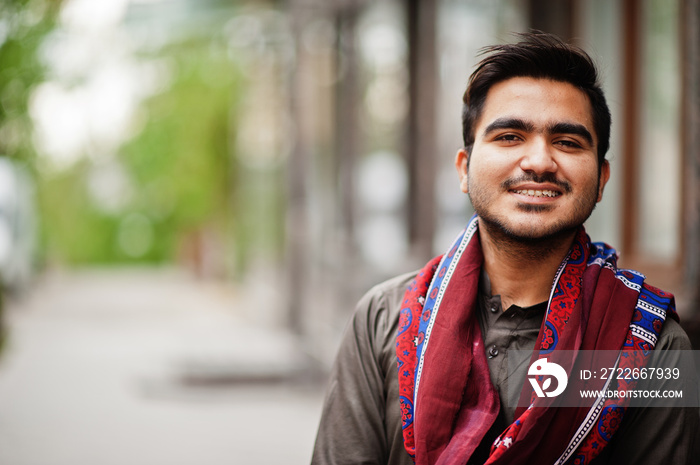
(444, 375)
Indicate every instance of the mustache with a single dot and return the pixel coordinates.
(549, 178)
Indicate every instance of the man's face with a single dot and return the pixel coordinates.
(533, 169)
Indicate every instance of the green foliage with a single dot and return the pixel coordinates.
(23, 25)
(178, 167)
(180, 173)
(182, 158)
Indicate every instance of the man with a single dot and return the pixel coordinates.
(423, 369)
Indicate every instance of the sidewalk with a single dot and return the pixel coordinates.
(149, 367)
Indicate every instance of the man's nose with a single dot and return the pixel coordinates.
(538, 157)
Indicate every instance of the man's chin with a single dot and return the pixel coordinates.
(528, 232)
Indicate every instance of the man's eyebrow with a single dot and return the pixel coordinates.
(509, 123)
(571, 128)
(526, 126)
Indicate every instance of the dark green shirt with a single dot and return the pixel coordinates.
(361, 420)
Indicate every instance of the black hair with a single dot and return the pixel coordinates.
(537, 55)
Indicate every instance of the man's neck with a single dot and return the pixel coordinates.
(522, 272)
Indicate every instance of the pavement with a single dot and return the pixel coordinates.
(149, 367)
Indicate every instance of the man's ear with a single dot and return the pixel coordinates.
(603, 180)
(461, 163)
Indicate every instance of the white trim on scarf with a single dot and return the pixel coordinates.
(588, 423)
(468, 234)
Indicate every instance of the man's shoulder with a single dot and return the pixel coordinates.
(396, 285)
(385, 299)
(673, 336)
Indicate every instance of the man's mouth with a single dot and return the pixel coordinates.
(537, 192)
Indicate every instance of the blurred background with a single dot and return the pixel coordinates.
(195, 193)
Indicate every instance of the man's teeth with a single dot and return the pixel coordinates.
(537, 193)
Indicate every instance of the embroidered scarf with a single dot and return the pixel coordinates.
(447, 400)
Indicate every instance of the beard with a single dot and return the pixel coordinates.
(535, 234)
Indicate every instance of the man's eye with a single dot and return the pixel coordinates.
(569, 144)
(508, 138)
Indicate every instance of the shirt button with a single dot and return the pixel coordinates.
(493, 351)
(494, 309)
